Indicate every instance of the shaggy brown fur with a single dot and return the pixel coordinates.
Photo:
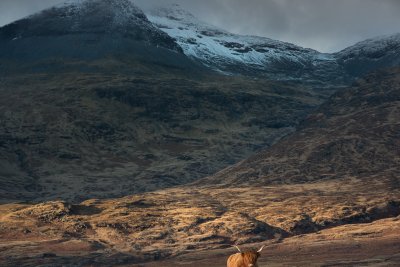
(243, 259)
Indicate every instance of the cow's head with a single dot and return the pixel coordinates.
(250, 257)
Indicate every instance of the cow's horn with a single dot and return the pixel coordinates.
(261, 249)
(238, 249)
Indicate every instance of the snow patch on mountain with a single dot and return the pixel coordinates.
(374, 48)
(371, 55)
(216, 47)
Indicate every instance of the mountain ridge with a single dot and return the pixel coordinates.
(232, 53)
(255, 55)
(371, 54)
(178, 30)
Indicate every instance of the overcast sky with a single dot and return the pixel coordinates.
(325, 25)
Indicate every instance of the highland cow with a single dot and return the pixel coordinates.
(244, 259)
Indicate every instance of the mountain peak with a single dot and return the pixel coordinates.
(88, 20)
(371, 54)
(121, 8)
(83, 16)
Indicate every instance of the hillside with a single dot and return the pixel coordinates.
(355, 134)
(99, 134)
(357, 207)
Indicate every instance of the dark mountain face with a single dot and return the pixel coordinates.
(89, 30)
(371, 55)
(355, 134)
(93, 16)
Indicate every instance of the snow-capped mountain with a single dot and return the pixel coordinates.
(371, 54)
(87, 29)
(232, 53)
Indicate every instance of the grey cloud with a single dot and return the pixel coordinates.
(325, 25)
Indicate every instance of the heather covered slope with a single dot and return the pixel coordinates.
(133, 127)
(355, 135)
(360, 219)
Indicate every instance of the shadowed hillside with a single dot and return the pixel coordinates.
(96, 134)
(354, 135)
